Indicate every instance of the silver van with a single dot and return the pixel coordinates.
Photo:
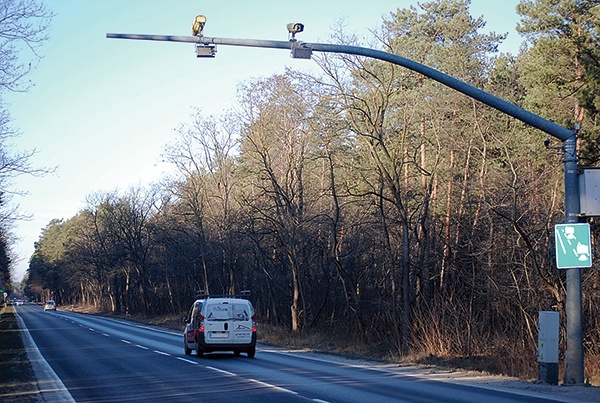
(220, 323)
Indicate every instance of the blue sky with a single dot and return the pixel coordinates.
(102, 110)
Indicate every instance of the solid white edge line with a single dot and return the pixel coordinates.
(56, 390)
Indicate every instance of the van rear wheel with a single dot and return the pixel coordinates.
(186, 349)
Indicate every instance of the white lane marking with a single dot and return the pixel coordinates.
(320, 401)
(188, 361)
(221, 371)
(142, 347)
(268, 385)
(261, 383)
(125, 341)
(162, 353)
(90, 329)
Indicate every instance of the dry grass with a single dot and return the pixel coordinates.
(504, 359)
(325, 342)
(592, 369)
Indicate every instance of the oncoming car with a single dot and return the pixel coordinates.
(50, 306)
(220, 323)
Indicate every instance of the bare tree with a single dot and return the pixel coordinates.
(204, 155)
(23, 25)
(277, 143)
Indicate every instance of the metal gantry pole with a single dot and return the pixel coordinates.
(574, 367)
(497, 103)
(574, 360)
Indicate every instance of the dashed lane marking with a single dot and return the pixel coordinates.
(261, 383)
(186, 360)
(268, 385)
(222, 371)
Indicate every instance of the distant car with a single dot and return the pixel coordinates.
(19, 302)
(220, 323)
(50, 306)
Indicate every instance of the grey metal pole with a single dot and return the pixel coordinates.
(574, 357)
(574, 361)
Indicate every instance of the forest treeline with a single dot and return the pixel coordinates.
(364, 199)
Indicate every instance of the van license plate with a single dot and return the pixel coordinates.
(219, 335)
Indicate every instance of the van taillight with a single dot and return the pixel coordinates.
(253, 323)
(201, 324)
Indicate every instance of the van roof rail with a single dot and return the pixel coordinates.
(203, 295)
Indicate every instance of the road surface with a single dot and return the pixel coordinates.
(99, 359)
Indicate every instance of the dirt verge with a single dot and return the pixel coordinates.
(17, 381)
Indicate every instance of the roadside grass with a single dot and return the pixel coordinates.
(592, 369)
(504, 360)
(340, 344)
(324, 342)
(17, 381)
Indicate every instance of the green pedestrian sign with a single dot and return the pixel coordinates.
(573, 246)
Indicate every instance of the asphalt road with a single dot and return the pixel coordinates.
(100, 360)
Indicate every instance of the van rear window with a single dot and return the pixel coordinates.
(219, 312)
(227, 312)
